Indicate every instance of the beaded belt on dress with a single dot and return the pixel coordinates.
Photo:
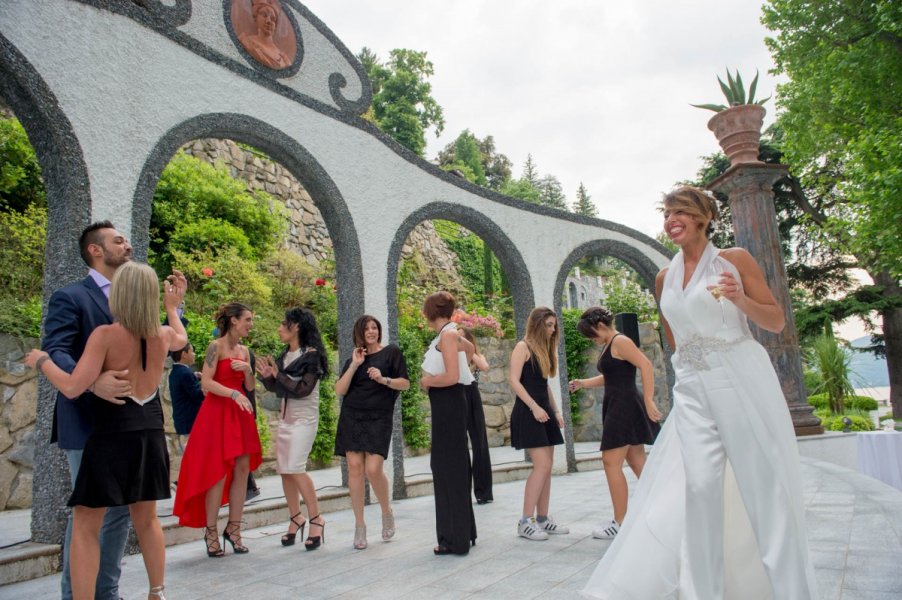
(694, 350)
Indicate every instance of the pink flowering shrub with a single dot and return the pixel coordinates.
(485, 326)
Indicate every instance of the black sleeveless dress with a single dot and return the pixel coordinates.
(125, 459)
(624, 419)
(526, 432)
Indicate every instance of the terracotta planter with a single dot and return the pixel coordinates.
(738, 131)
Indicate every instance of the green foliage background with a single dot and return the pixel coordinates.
(575, 348)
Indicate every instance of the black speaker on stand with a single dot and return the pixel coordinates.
(628, 325)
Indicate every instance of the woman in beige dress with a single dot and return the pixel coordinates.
(294, 376)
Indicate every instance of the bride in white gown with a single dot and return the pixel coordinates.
(718, 511)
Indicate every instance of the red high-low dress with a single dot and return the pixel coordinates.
(222, 432)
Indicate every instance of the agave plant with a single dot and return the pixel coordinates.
(734, 90)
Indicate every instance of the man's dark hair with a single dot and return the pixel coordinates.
(91, 235)
(177, 354)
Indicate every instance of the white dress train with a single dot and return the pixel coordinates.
(717, 513)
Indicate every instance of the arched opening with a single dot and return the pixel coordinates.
(621, 277)
(248, 215)
(494, 303)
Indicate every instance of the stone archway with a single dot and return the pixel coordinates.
(508, 255)
(67, 186)
(305, 169)
(511, 262)
(641, 262)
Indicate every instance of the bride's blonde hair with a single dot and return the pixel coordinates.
(696, 203)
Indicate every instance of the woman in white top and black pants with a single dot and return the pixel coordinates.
(446, 374)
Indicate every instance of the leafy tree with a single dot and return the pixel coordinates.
(464, 154)
(584, 205)
(22, 239)
(522, 189)
(551, 192)
(403, 106)
(20, 174)
(497, 166)
(842, 116)
(209, 205)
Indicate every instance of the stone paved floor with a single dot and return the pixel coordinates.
(855, 531)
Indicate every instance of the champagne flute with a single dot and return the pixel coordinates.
(713, 275)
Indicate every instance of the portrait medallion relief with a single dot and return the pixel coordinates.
(265, 32)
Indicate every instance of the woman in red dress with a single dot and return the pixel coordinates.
(224, 445)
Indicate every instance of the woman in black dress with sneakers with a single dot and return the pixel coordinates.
(536, 421)
(629, 420)
(370, 382)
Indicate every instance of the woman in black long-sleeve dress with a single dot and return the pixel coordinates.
(446, 374)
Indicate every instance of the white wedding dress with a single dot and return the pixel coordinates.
(717, 513)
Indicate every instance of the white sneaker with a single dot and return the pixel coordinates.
(606, 531)
(549, 526)
(531, 531)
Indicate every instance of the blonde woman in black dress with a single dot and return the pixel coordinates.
(370, 382)
(125, 460)
(629, 420)
(536, 421)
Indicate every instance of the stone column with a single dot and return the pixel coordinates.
(750, 190)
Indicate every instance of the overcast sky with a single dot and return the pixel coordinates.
(598, 91)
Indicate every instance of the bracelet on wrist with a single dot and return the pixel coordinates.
(387, 381)
(41, 361)
(234, 394)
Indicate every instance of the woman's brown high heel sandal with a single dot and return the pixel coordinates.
(388, 526)
(211, 538)
(288, 538)
(232, 535)
(315, 541)
(156, 592)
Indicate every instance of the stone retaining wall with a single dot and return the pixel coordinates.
(18, 394)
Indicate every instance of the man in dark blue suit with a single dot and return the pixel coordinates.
(184, 390)
(73, 313)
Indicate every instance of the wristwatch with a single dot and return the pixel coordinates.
(387, 381)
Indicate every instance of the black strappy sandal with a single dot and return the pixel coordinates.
(289, 538)
(315, 541)
(237, 546)
(214, 550)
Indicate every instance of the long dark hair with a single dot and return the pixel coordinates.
(308, 334)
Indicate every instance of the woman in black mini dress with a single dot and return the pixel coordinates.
(629, 420)
(370, 382)
(536, 421)
(125, 461)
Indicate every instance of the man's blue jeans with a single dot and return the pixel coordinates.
(113, 536)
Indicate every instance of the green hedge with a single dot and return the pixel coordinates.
(575, 347)
(820, 402)
(834, 423)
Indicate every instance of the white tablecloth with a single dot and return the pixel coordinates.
(880, 456)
